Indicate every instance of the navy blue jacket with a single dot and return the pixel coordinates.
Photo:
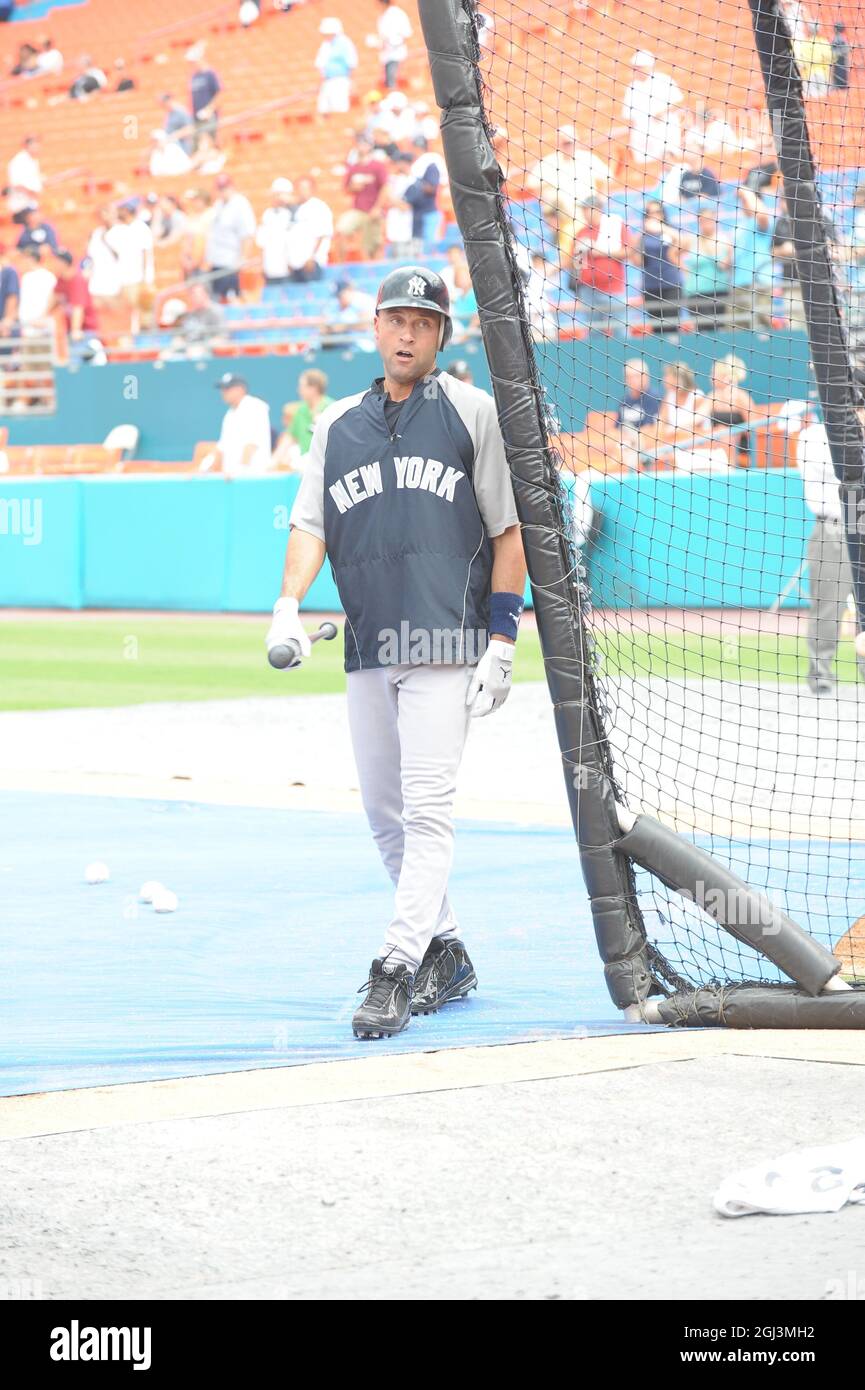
(401, 516)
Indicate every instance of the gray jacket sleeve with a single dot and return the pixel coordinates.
(307, 514)
(492, 478)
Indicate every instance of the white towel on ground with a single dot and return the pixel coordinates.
(820, 1179)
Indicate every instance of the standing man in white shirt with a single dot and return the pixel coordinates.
(568, 176)
(310, 234)
(651, 109)
(394, 29)
(38, 284)
(244, 448)
(24, 178)
(131, 240)
(230, 238)
(272, 235)
(829, 576)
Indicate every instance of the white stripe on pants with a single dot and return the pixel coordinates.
(408, 728)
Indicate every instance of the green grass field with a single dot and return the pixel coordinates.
(62, 663)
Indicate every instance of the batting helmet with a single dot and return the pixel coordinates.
(413, 287)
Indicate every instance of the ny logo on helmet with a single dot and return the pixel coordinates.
(417, 285)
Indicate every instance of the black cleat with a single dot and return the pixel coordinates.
(445, 973)
(387, 1007)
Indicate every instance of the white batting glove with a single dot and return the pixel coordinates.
(287, 627)
(860, 644)
(491, 682)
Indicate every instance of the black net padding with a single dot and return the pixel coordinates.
(670, 282)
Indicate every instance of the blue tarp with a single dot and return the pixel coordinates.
(280, 914)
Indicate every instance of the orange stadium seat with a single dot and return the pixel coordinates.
(96, 150)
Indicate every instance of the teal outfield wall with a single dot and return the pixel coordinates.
(175, 405)
(212, 544)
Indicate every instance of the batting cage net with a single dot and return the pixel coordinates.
(665, 225)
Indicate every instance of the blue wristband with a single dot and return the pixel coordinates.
(505, 611)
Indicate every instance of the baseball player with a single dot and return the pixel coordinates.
(407, 493)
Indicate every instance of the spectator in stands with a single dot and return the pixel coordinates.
(26, 60)
(543, 315)
(365, 179)
(352, 319)
(286, 453)
(249, 13)
(708, 263)
(169, 221)
(398, 216)
(564, 179)
(208, 157)
(639, 405)
(90, 79)
(105, 286)
(658, 252)
(198, 324)
(204, 88)
(596, 265)
(74, 298)
(813, 55)
(684, 424)
(829, 575)
(751, 281)
(840, 76)
(168, 158)
(37, 286)
(244, 447)
(310, 234)
(464, 305)
(689, 183)
(651, 110)
(24, 179)
(422, 195)
(393, 32)
(123, 82)
(193, 243)
(393, 121)
(729, 405)
(49, 60)
(132, 242)
(178, 122)
(230, 238)
(314, 400)
(272, 235)
(36, 231)
(336, 61)
(457, 264)
(10, 297)
(486, 28)
(712, 133)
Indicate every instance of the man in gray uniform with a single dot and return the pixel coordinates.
(407, 493)
(830, 580)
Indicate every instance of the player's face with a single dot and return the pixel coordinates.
(408, 342)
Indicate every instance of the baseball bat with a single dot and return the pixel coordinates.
(287, 654)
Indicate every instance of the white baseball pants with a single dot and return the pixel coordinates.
(408, 728)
